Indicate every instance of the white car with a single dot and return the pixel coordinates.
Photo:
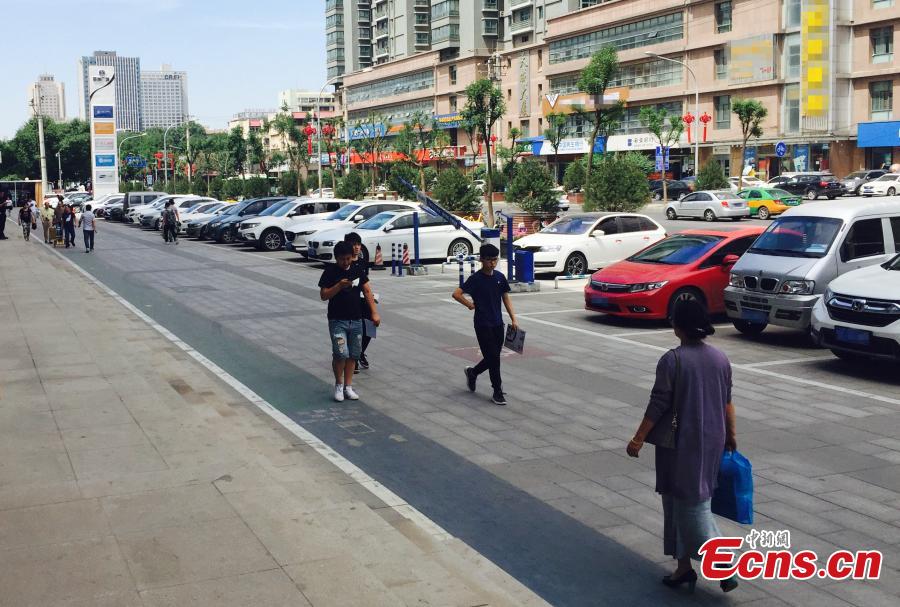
(859, 315)
(297, 233)
(266, 232)
(200, 214)
(580, 242)
(98, 206)
(886, 185)
(152, 218)
(749, 182)
(710, 205)
(438, 238)
(134, 212)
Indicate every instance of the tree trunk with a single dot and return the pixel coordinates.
(665, 185)
(422, 177)
(590, 163)
(743, 160)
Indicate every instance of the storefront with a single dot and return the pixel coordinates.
(881, 142)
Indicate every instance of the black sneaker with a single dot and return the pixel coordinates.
(470, 378)
(498, 398)
(363, 362)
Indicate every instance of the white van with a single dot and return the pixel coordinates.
(783, 275)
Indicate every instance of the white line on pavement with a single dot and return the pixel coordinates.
(529, 314)
(772, 363)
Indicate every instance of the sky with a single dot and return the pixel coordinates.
(238, 54)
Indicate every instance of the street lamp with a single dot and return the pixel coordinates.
(696, 106)
(166, 154)
(328, 82)
(123, 141)
(59, 168)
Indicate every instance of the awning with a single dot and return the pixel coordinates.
(878, 134)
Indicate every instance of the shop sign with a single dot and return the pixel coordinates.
(801, 157)
(448, 121)
(581, 102)
(721, 150)
(102, 111)
(878, 134)
(752, 59)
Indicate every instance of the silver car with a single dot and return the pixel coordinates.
(854, 182)
(710, 205)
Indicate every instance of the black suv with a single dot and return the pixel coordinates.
(811, 186)
(675, 190)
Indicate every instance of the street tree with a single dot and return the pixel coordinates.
(455, 192)
(511, 155)
(554, 134)
(667, 130)
(484, 107)
(618, 183)
(330, 135)
(750, 113)
(440, 144)
(237, 150)
(594, 80)
(414, 143)
(370, 140)
(711, 177)
(574, 178)
(351, 186)
(532, 189)
(256, 151)
(294, 145)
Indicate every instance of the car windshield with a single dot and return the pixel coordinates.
(856, 175)
(343, 213)
(572, 224)
(892, 264)
(798, 237)
(722, 194)
(273, 209)
(680, 249)
(233, 209)
(283, 209)
(376, 222)
(887, 178)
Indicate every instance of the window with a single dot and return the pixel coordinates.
(791, 108)
(402, 223)
(391, 86)
(720, 56)
(723, 17)
(448, 8)
(882, 44)
(647, 225)
(452, 70)
(525, 127)
(792, 13)
(453, 103)
(540, 58)
(630, 224)
(876, 4)
(609, 226)
(791, 56)
(895, 228)
(723, 111)
(736, 247)
(882, 100)
(865, 239)
(630, 35)
(445, 33)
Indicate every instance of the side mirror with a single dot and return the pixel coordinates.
(386, 229)
(356, 219)
(598, 233)
(730, 260)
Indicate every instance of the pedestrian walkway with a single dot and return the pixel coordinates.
(132, 475)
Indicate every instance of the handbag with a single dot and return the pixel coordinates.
(665, 431)
(733, 498)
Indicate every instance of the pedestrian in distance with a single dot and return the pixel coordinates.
(170, 223)
(48, 221)
(354, 240)
(4, 202)
(68, 226)
(693, 388)
(26, 218)
(487, 288)
(341, 285)
(88, 225)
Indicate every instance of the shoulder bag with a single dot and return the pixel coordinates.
(665, 431)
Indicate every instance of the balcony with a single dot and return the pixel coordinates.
(523, 25)
(490, 28)
(381, 33)
(490, 6)
(520, 3)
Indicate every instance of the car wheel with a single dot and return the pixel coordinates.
(850, 357)
(763, 213)
(709, 215)
(576, 264)
(832, 197)
(657, 195)
(458, 247)
(812, 195)
(226, 238)
(686, 294)
(749, 328)
(891, 191)
(271, 240)
(671, 215)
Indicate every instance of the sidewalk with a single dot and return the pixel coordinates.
(131, 475)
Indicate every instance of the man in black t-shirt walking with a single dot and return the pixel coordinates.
(487, 287)
(341, 285)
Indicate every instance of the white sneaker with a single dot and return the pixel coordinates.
(350, 394)
(339, 392)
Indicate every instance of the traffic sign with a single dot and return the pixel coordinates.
(662, 161)
(780, 149)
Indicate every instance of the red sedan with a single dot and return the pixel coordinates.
(693, 264)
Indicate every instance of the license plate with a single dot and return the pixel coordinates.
(792, 202)
(852, 336)
(757, 316)
(599, 301)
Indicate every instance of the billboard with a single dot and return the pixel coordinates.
(572, 103)
(102, 99)
(815, 59)
(752, 59)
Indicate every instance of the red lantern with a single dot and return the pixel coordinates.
(309, 131)
(705, 118)
(688, 120)
(328, 131)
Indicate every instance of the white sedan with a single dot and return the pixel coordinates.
(886, 185)
(710, 206)
(438, 238)
(266, 232)
(580, 242)
(748, 182)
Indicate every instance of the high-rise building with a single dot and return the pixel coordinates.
(49, 97)
(164, 98)
(298, 100)
(128, 87)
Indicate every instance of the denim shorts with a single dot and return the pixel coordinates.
(346, 338)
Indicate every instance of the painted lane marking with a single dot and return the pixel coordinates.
(790, 361)
(528, 314)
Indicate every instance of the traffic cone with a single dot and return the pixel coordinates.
(405, 261)
(379, 259)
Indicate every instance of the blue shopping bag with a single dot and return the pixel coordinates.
(733, 498)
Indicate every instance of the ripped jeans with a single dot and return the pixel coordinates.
(346, 338)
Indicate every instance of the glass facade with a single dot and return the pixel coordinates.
(445, 33)
(791, 58)
(578, 126)
(722, 105)
(391, 87)
(793, 13)
(396, 113)
(648, 74)
(447, 8)
(630, 35)
(791, 109)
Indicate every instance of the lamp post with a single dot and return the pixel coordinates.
(166, 155)
(59, 168)
(328, 82)
(696, 105)
(123, 141)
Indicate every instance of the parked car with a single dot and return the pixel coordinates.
(438, 238)
(198, 212)
(710, 205)
(693, 264)
(813, 185)
(748, 182)
(480, 185)
(854, 182)
(676, 190)
(267, 233)
(77, 197)
(886, 185)
(297, 233)
(132, 215)
(99, 206)
(576, 243)
(226, 230)
(859, 316)
(765, 203)
(153, 217)
(690, 181)
(134, 199)
(563, 198)
(197, 226)
(786, 271)
(206, 228)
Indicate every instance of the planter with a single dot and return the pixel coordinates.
(576, 197)
(498, 197)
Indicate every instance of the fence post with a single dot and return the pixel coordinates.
(509, 247)
(416, 238)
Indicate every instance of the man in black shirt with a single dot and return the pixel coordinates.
(487, 288)
(341, 285)
(354, 240)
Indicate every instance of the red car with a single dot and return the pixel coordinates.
(693, 264)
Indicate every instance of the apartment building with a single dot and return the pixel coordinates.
(49, 97)
(298, 100)
(164, 98)
(825, 70)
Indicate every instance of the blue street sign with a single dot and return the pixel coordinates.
(780, 149)
(137, 162)
(662, 161)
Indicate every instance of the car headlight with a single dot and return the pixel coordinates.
(551, 248)
(248, 226)
(306, 233)
(328, 243)
(648, 286)
(797, 287)
(828, 295)
(735, 280)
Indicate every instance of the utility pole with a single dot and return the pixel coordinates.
(40, 119)
(59, 167)
(188, 136)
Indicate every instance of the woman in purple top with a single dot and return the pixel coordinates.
(686, 476)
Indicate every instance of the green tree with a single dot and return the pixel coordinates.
(594, 80)
(554, 134)
(237, 150)
(291, 183)
(331, 138)
(619, 183)
(484, 107)
(256, 151)
(216, 188)
(440, 145)
(294, 144)
(511, 155)
(455, 192)
(255, 187)
(351, 186)
(234, 188)
(532, 189)
(414, 142)
(750, 113)
(399, 173)
(711, 177)
(371, 141)
(573, 181)
(666, 129)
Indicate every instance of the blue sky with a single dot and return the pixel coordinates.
(238, 54)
